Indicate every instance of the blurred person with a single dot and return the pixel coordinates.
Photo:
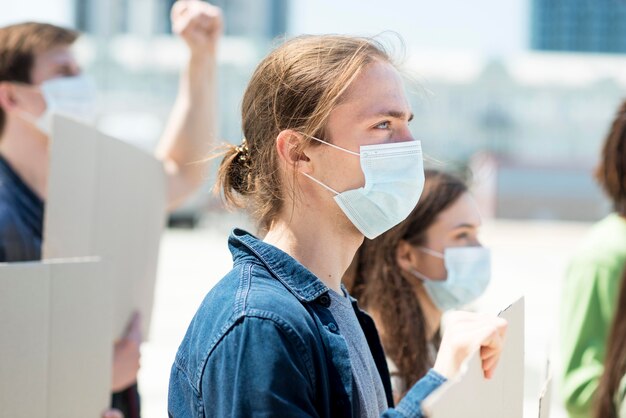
(592, 282)
(410, 275)
(39, 76)
(610, 399)
(327, 159)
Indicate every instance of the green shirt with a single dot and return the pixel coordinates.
(587, 309)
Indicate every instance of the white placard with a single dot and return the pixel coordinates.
(470, 395)
(107, 199)
(57, 342)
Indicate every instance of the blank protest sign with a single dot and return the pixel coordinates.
(56, 348)
(545, 398)
(24, 307)
(470, 395)
(107, 199)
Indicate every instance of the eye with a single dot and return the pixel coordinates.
(462, 235)
(383, 125)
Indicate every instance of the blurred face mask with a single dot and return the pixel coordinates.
(468, 275)
(394, 180)
(73, 97)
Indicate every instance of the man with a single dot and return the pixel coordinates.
(278, 336)
(39, 75)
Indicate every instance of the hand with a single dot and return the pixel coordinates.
(466, 332)
(199, 24)
(126, 356)
(112, 413)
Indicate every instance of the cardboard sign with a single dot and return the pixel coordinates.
(57, 343)
(545, 398)
(107, 199)
(470, 395)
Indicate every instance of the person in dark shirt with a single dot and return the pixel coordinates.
(21, 217)
(39, 76)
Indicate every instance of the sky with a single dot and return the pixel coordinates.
(53, 11)
(490, 27)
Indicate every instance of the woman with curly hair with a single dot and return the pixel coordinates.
(407, 277)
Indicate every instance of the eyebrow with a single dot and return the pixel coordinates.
(397, 114)
(465, 226)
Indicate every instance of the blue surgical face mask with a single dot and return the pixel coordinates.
(73, 97)
(468, 275)
(394, 180)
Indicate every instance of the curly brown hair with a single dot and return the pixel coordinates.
(376, 279)
(611, 172)
(615, 361)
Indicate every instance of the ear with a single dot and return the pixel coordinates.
(406, 256)
(7, 98)
(289, 147)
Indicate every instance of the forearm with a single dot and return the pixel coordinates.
(191, 129)
(410, 405)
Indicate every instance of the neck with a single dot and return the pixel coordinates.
(322, 247)
(431, 313)
(26, 151)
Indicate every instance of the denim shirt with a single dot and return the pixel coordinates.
(263, 343)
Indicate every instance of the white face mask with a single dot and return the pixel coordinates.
(469, 273)
(394, 180)
(73, 97)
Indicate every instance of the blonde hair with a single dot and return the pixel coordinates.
(295, 87)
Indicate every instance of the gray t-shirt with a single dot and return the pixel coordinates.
(368, 387)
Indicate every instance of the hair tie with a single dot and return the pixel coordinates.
(243, 152)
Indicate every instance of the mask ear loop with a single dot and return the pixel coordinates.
(27, 117)
(420, 276)
(320, 183)
(335, 146)
(431, 252)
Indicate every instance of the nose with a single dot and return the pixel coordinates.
(403, 135)
(75, 70)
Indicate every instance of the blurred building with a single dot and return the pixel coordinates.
(578, 25)
(130, 50)
(540, 117)
(513, 189)
(128, 47)
(247, 18)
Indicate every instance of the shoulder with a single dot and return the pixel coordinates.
(250, 290)
(270, 299)
(604, 246)
(247, 303)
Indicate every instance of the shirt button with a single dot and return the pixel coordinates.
(332, 327)
(324, 300)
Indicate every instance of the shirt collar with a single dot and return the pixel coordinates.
(293, 275)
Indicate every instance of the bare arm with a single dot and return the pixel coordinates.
(192, 126)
